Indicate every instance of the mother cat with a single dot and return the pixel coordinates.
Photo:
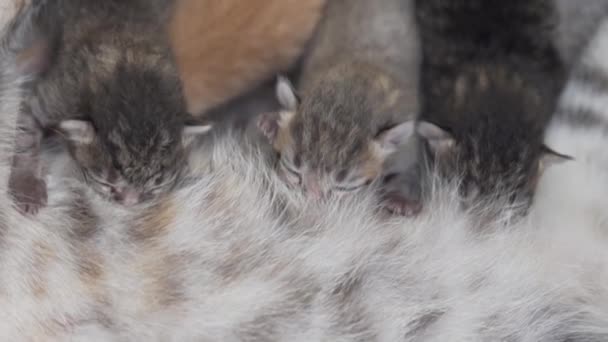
(215, 261)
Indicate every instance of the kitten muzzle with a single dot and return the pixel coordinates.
(313, 188)
(128, 196)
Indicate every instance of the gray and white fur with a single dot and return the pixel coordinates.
(355, 105)
(490, 79)
(577, 23)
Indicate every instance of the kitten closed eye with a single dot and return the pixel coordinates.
(105, 186)
(352, 187)
(292, 175)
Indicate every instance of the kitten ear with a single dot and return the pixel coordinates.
(270, 123)
(286, 94)
(439, 140)
(390, 139)
(191, 132)
(549, 157)
(78, 131)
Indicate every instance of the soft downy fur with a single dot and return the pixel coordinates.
(235, 256)
(108, 86)
(355, 104)
(490, 79)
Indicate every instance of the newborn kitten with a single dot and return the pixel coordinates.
(490, 82)
(111, 89)
(358, 102)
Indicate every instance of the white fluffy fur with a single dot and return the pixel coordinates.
(246, 269)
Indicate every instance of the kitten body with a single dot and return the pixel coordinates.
(490, 80)
(111, 89)
(358, 98)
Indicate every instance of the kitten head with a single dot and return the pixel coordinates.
(487, 170)
(126, 173)
(326, 143)
(133, 140)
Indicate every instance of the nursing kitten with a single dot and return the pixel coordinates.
(490, 81)
(112, 90)
(358, 101)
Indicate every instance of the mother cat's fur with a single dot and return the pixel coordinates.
(222, 260)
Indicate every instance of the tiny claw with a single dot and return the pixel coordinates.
(398, 204)
(29, 193)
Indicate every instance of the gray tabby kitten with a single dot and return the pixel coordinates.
(358, 103)
(110, 88)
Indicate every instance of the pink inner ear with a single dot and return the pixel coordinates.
(269, 125)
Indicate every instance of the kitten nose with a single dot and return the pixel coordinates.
(313, 189)
(129, 197)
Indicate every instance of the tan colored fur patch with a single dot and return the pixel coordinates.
(91, 273)
(482, 79)
(224, 48)
(384, 82)
(43, 256)
(460, 90)
(155, 222)
(162, 286)
(392, 98)
(372, 162)
(283, 139)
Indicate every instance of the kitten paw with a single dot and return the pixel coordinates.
(29, 193)
(397, 204)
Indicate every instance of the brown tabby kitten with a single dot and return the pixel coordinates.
(109, 86)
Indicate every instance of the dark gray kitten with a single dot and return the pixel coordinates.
(358, 102)
(110, 88)
(490, 80)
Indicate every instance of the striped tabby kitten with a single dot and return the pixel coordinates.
(109, 86)
(358, 102)
(491, 76)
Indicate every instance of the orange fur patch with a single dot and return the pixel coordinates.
(224, 48)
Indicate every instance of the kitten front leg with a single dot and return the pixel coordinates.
(400, 193)
(26, 183)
